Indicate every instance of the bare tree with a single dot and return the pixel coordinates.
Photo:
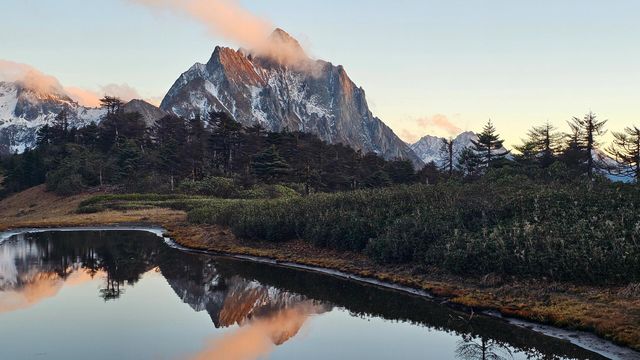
(448, 158)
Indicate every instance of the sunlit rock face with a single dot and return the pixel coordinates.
(285, 91)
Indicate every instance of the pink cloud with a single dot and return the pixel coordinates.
(228, 18)
(439, 123)
(38, 81)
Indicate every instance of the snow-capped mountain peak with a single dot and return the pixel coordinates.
(24, 110)
(429, 148)
(304, 95)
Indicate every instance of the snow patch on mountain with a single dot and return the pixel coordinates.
(429, 148)
(24, 111)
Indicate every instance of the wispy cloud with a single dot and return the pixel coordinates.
(229, 19)
(29, 77)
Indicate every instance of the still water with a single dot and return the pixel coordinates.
(127, 295)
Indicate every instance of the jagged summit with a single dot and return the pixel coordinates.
(282, 35)
(293, 92)
(280, 40)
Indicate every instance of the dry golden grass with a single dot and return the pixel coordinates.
(36, 207)
(611, 312)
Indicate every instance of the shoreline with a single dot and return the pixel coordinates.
(585, 340)
(598, 311)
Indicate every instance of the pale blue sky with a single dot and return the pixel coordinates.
(518, 62)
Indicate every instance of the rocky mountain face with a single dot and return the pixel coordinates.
(309, 95)
(23, 111)
(150, 113)
(428, 148)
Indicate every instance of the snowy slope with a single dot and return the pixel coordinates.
(24, 111)
(428, 148)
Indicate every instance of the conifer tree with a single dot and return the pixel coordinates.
(625, 150)
(196, 143)
(224, 140)
(542, 145)
(60, 128)
(586, 131)
(400, 171)
(269, 166)
(469, 162)
(489, 147)
(112, 104)
(169, 136)
(430, 173)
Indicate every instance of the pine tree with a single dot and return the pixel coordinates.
(269, 166)
(196, 143)
(113, 104)
(169, 136)
(469, 162)
(586, 132)
(542, 145)
(573, 155)
(430, 174)
(121, 125)
(625, 150)
(224, 140)
(489, 146)
(60, 128)
(400, 171)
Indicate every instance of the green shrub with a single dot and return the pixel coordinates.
(211, 186)
(583, 232)
(268, 192)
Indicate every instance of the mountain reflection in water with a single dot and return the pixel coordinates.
(261, 307)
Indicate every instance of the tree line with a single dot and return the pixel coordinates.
(122, 152)
(547, 151)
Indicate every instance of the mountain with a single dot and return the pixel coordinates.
(150, 113)
(428, 148)
(279, 93)
(23, 111)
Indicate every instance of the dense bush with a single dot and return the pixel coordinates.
(268, 192)
(210, 186)
(585, 232)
